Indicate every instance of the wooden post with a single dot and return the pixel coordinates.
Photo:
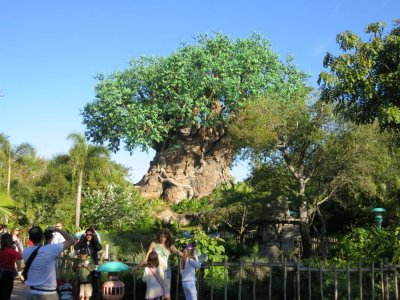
(177, 279)
(198, 285)
(225, 280)
(382, 283)
(348, 282)
(335, 282)
(396, 287)
(284, 278)
(309, 283)
(373, 280)
(321, 283)
(254, 280)
(270, 284)
(134, 282)
(240, 280)
(212, 281)
(360, 280)
(385, 278)
(298, 279)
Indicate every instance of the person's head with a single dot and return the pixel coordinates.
(48, 235)
(15, 231)
(7, 241)
(164, 237)
(3, 228)
(58, 226)
(188, 252)
(36, 234)
(152, 260)
(89, 234)
(82, 253)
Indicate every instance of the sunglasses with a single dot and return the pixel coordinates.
(87, 234)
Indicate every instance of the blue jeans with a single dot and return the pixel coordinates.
(189, 287)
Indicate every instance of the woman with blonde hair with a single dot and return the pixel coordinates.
(188, 265)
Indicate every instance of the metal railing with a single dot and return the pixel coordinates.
(261, 280)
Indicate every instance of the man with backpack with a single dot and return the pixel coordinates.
(40, 268)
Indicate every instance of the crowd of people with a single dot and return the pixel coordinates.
(44, 247)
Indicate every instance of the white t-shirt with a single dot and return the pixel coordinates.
(155, 288)
(42, 273)
(57, 238)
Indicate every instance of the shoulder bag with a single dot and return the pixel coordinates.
(29, 262)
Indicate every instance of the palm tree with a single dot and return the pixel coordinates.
(83, 157)
(10, 155)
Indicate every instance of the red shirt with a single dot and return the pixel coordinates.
(8, 257)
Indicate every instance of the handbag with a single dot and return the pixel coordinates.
(29, 262)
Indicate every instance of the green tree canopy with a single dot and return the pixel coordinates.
(323, 156)
(364, 80)
(179, 106)
(198, 85)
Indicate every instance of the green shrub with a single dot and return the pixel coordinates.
(369, 245)
(212, 246)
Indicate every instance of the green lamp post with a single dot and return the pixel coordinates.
(378, 211)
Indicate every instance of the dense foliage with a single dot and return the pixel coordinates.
(370, 245)
(199, 85)
(363, 82)
(115, 208)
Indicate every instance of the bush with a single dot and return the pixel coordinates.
(369, 245)
(115, 209)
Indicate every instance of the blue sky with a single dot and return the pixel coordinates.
(50, 51)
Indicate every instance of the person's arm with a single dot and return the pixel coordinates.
(19, 246)
(151, 248)
(69, 239)
(96, 243)
(77, 246)
(193, 262)
(17, 255)
(176, 251)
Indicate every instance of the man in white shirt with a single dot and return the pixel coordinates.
(41, 282)
(57, 237)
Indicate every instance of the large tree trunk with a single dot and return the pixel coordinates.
(192, 166)
(305, 232)
(304, 221)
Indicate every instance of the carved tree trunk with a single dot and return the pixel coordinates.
(192, 166)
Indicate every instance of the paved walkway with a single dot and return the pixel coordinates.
(19, 290)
